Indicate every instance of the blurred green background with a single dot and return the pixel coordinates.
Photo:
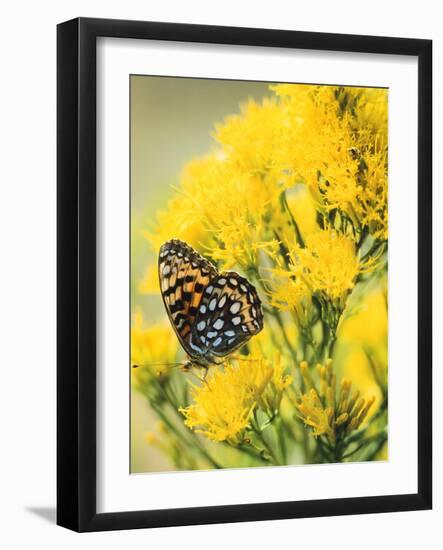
(171, 122)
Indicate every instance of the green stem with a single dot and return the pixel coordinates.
(377, 437)
(258, 432)
(281, 325)
(253, 451)
(298, 234)
(281, 439)
(194, 437)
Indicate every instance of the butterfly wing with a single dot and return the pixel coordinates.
(229, 314)
(184, 274)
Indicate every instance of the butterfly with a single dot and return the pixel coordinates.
(212, 313)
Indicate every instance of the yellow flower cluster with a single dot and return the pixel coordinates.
(332, 139)
(223, 405)
(222, 206)
(335, 141)
(327, 265)
(327, 412)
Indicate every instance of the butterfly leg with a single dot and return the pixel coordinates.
(189, 368)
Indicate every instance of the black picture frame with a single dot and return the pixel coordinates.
(76, 265)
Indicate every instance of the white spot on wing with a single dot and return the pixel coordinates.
(222, 281)
(222, 301)
(217, 342)
(166, 270)
(203, 308)
(201, 326)
(212, 304)
(235, 308)
(218, 324)
(211, 334)
(236, 320)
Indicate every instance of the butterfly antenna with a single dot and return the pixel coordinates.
(171, 365)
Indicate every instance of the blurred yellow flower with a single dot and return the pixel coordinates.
(150, 282)
(175, 222)
(153, 349)
(364, 343)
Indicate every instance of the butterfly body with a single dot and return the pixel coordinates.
(212, 313)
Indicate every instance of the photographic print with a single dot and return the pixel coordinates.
(259, 258)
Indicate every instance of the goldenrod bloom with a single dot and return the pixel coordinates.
(223, 405)
(327, 412)
(335, 141)
(251, 138)
(280, 380)
(290, 293)
(328, 263)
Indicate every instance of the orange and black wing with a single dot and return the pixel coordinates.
(184, 276)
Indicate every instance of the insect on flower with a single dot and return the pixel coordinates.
(212, 313)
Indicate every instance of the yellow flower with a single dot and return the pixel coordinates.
(153, 349)
(175, 222)
(314, 415)
(328, 263)
(222, 406)
(223, 207)
(280, 380)
(335, 141)
(290, 293)
(251, 138)
(327, 412)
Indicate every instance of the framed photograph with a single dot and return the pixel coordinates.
(244, 274)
